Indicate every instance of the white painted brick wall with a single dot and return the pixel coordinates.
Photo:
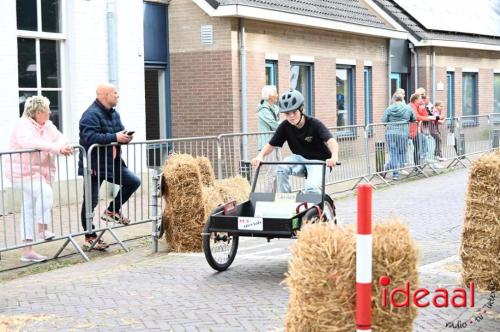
(8, 71)
(131, 66)
(86, 63)
(88, 60)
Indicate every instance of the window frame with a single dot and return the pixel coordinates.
(474, 96)
(450, 94)
(351, 72)
(273, 66)
(368, 80)
(496, 97)
(60, 38)
(310, 80)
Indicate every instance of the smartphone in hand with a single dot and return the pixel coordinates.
(130, 133)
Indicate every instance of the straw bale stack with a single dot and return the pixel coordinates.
(212, 197)
(236, 188)
(206, 171)
(188, 202)
(184, 208)
(222, 191)
(480, 246)
(322, 278)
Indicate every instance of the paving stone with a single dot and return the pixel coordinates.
(140, 291)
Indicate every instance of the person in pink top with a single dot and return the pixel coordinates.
(33, 172)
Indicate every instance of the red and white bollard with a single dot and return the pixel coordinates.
(364, 259)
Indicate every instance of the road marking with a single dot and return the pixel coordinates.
(280, 257)
(263, 253)
(437, 267)
(187, 254)
(254, 247)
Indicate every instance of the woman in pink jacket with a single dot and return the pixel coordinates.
(33, 172)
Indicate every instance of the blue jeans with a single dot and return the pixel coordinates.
(397, 144)
(419, 148)
(313, 180)
(128, 185)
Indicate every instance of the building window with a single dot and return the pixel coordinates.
(469, 94)
(271, 72)
(400, 81)
(345, 96)
(496, 97)
(368, 95)
(450, 94)
(301, 78)
(39, 48)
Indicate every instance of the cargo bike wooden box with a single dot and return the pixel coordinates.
(267, 215)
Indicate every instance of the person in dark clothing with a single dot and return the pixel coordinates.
(101, 124)
(308, 139)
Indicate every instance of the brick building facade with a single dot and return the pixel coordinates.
(206, 79)
(193, 88)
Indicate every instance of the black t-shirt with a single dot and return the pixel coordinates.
(308, 141)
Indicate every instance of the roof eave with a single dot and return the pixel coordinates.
(457, 44)
(268, 15)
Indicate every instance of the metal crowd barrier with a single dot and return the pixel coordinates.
(367, 154)
(406, 148)
(353, 154)
(59, 197)
(494, 122)
(476, 134)
(145, 160)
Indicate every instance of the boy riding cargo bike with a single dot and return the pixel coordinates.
(278, 215)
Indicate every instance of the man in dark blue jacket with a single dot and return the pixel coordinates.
(101, 124)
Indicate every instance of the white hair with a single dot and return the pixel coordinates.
(35, 104)
(268, 91)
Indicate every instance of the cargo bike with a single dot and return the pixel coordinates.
(266, 215)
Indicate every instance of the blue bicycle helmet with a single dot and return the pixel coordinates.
(290, 101)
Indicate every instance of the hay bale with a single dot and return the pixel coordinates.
(394, 255)
(206, 171)
(23, 322)
(222, 191)
(184, 209)
(322, 278)
(188, 203)
(236, 188)
(480, 244)
(212, 197)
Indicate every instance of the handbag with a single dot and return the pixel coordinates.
(450, 139)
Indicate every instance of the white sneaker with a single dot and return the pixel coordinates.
(438, 166)
(33, 257)
(441, 158)
(404, 172)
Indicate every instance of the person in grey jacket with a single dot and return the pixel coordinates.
(267, 121)
(267, 114)
(397, 116)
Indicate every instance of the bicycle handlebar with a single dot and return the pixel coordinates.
(319, 163)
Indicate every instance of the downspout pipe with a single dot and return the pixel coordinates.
(112, 57)
(112, 42)
(433, 70)
(389, 72)
(415, 66)
(243, 76)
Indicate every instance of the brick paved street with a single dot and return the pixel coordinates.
(138, 291)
